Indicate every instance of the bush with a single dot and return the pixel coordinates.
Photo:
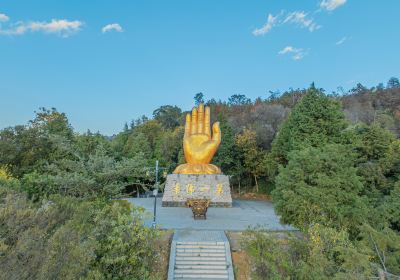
(322, 253)
(99, 175)
(68, 238)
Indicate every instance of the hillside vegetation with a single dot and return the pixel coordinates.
(330, 162)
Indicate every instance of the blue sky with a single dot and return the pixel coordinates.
(106, 62)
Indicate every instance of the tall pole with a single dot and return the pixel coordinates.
(157, 174)
(155, 192)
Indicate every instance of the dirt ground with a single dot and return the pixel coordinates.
(241, 260)
(252, 196)
(163, 246)
(242, 263)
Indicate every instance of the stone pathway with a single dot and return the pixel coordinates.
(200, 255)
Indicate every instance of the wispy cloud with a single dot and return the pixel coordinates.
(3, 17)
(271, 21)
(298, 18)
(61, 27)
(296, 53)
(112, 27)
(331, 5)
(301, 19)
(341, 41)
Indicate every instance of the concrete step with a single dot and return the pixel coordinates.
(209, 277)
(200, 254)
(203, 250)
(178, 266)
(200, 243)
(200, 258)
(182, 246)
(217, 263)
(202, 271)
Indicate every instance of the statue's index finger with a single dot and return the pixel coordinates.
(207, 127)
(187, 125)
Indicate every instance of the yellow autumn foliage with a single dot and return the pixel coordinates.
(5, 173)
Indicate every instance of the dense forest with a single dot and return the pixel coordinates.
(331, 163)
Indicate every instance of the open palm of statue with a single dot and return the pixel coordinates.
(198, 144)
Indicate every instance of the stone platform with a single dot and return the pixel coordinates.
(242, 215)
(180, 187)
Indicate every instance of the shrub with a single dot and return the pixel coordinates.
(322, 253)
(68, 238)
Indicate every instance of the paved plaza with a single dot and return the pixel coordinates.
(242, 215)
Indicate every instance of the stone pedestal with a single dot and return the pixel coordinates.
(180, 187)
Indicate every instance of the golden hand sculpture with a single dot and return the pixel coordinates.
(198, 145)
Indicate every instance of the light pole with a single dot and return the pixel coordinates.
(155, 193)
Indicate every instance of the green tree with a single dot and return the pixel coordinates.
(99, 175)
(238, 99)
(168, 116)
(226, 156)
(88, 143)
(137, 143)
(118, 143)
(48, 137)
(252, 155)
(315, 121)
(198, 98)
(393, 83)
(152, 129)
(382, 246)
(168, 147)
(52, 122)
(320, 185)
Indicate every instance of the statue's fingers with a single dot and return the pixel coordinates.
(216, 133)
(200, 121)
(207, 128)
(194, 121)
(187, 125)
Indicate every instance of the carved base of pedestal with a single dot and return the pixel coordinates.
(181, 187)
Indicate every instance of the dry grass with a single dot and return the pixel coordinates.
(252, 196)
(241, 260)
(163, 247)
(242, 265)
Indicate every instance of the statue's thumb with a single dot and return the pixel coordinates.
(216, 132)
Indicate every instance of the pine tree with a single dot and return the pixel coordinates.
(315, 121)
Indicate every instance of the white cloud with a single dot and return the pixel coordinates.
(3, 17)
(286, 50)
(331, 5)
(267, 26)
(111, 27)
(297, 54)
(300, 18)
(61, 27)
(341, 41)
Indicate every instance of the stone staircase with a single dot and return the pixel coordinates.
(200, 255)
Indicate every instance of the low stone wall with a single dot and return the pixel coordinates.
(180, 187)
